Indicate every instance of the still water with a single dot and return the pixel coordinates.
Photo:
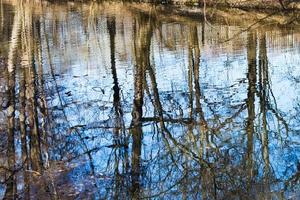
(132, 101)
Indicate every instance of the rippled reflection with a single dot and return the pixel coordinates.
(126, 101)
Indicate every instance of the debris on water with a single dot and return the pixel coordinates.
(99, 89)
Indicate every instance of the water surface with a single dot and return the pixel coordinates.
(126, 101)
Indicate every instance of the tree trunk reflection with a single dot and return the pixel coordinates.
(142, 41)
(251, 75)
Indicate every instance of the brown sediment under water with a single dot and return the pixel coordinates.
(133, 101)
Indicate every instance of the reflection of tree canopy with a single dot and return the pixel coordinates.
(69, 133)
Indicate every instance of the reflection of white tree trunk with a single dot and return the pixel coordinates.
(31, 90)
(14, 40)
(2, 15)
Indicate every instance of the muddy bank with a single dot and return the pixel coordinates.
(187, 13)
(222, 15)
(246, 4)
(279, 5)
(283, 6)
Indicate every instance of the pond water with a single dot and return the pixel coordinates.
(132, 101)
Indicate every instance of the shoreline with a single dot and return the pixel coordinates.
(230, 16)
(250, 5)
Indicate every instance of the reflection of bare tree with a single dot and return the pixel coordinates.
(32, 161)
(251, 57)
(11, 184)
(142, 39)
(263, 86)
(266, 99)
(24, 135)
(35, 136)
(119, 134)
